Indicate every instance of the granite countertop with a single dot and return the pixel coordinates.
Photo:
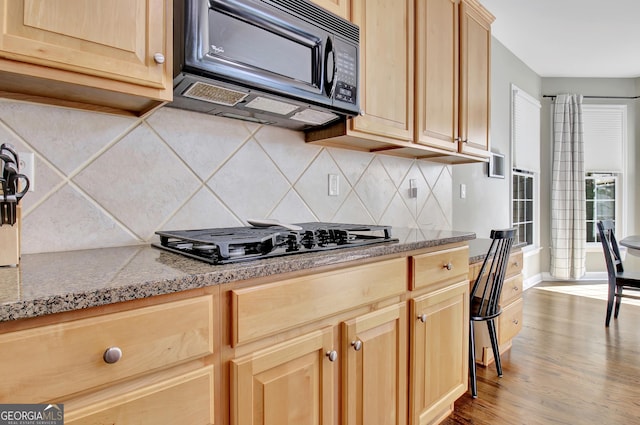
(64, 281)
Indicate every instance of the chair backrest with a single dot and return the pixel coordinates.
(610, 248)
(487, 288)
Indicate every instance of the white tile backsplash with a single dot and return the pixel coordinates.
(105, 180)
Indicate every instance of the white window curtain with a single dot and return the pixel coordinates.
(568, 216)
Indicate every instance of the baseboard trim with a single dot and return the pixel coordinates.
(589, 276)
(532, 281)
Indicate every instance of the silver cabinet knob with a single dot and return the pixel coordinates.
(332, 355)
(448, 266)
(357, 345)
(423, 318)
(159, 58)
(112, 355)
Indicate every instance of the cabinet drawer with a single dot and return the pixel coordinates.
(439, 266)
(510, 322)
(511, 290)
(46, 363)
(264, 310)
(515, 264)
(184, 399)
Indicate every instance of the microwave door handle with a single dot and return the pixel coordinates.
(330, 64)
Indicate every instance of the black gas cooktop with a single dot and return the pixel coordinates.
(235, 244)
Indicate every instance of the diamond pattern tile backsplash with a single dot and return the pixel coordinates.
(103, 180)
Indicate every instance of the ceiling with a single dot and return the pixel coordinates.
(571, 38)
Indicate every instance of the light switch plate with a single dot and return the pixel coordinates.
(334, 185)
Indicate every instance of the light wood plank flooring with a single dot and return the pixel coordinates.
(564, 367)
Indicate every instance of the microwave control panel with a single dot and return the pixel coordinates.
(346, 74)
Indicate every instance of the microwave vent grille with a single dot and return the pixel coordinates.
(214, 94)
(318, 15)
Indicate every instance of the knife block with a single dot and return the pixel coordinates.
(10, 241)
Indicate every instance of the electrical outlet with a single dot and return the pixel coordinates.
(26, 166)
(334, 185)
(413, 188)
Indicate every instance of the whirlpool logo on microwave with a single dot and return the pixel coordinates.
(31, 414)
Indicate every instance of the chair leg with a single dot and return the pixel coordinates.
(494, 345)
(610, 298)
(618, 300)
(472, 362)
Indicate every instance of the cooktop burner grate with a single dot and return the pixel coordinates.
(235, 244)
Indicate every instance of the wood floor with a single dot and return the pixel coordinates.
(564, 367)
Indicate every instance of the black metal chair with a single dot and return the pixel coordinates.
(618, 278)
(485, 297)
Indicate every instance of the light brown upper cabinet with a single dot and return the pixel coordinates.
(339, 7)
(113, 54)
(452, 78)
(386, 79)
(424, 91)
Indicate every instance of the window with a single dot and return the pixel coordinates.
(525, 149)
(601, 197)
(523, 206)
(605, 141)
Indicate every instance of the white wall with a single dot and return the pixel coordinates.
(488, 202)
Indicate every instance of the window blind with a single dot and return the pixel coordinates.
(525, 130)
(604, 134)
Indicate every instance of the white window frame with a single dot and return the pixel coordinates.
(617, 215)
(535, 198)
(518, 94)
(622, 175)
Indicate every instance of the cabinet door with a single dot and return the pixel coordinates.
(475, 45)
(439, 362)
(386, 68)
(114, 39)
(437, 73)
(291, 383)
(339, 7)
(374, 348)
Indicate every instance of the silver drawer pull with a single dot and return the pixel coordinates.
(448, 266)
(423, 318)
(357, 345)
(158, 58)
(332, 355)
(112, 355)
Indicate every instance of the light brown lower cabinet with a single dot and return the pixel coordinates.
(142, 362)
(186, 398)
(374, 369)
(289, 383)
(509, 323)
(373, 352)
(295, 382)
(349, 367)
(439, 352)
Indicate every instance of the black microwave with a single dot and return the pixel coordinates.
(284, 62)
